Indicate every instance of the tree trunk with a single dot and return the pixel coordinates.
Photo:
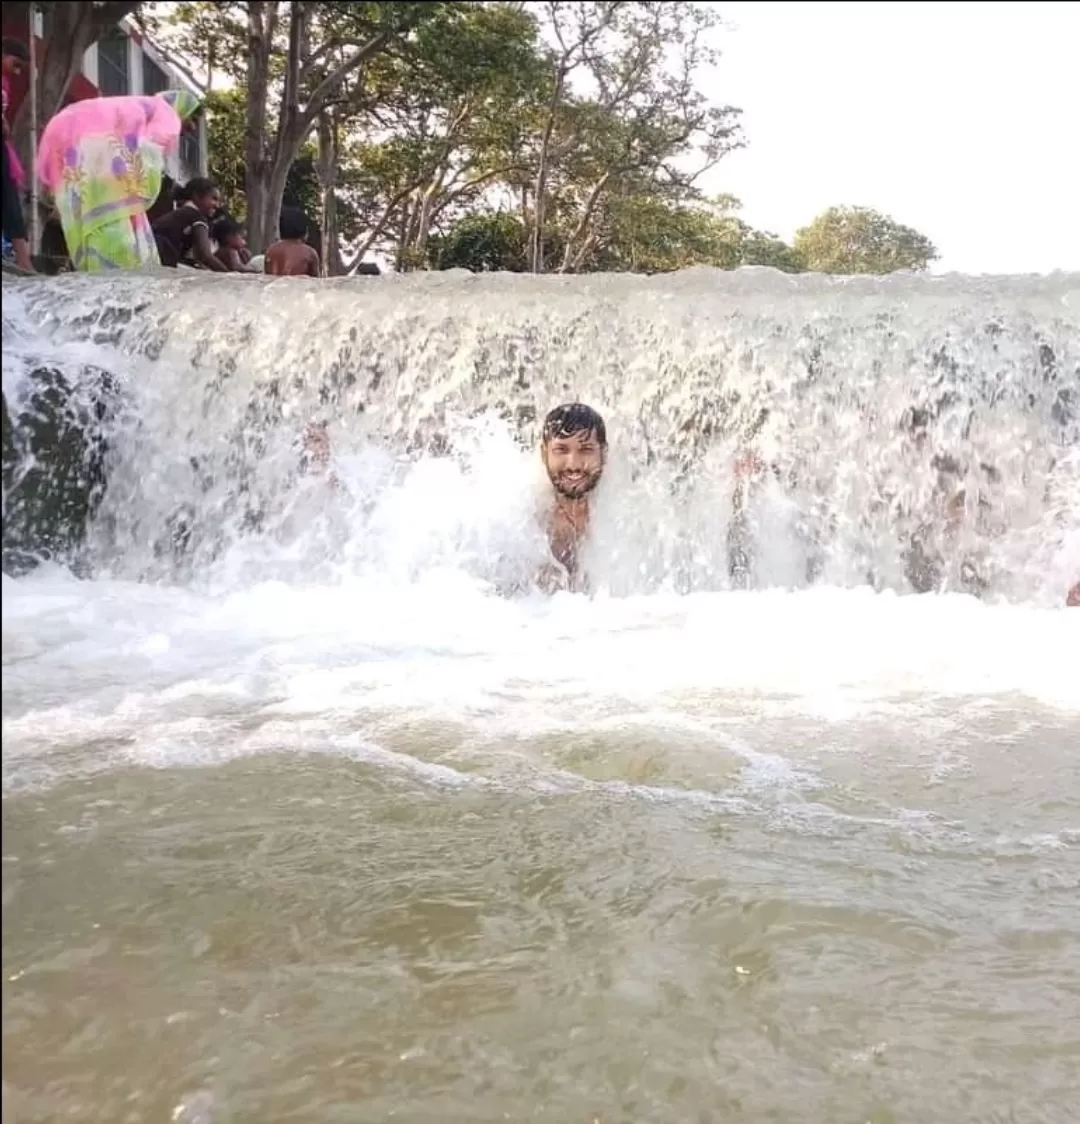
(326, 173)
(274, 199)
(423, 227)
(403, 236)
(412, 230)
(262, 21)
(536, 240)
(574, 255)
(268, 172)
(290, 134)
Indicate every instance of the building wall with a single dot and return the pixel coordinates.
(147, 71)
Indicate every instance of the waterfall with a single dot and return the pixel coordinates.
(915, 433)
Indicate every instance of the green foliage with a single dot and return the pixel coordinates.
(624, 112)
(640, 234)
(225, 145)
(482, 242)
(446, 118)
(565, 135)
(646, 234)
(861, 240)
(762, 248)
(225, 142)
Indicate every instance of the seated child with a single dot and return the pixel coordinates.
(291, 256)
(232, 249)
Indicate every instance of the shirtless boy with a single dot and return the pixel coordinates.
(291, 256)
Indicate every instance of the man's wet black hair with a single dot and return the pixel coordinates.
(293, 223)
(574, 417)
(16, 49)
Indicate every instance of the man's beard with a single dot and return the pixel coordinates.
(576, 489)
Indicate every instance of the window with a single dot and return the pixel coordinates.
(189, 151)
(154, 79)
(113, 72)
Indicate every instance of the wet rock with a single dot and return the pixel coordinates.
(54, 450)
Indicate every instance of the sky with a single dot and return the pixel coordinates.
(961, 120)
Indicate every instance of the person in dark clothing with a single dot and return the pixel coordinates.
(15, 58)
(183, 235)
(54, 256)
(165, 203)
(13, 218)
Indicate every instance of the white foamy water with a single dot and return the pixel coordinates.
(433, 386)
(308, 816)
(155, 676)
(277, 596)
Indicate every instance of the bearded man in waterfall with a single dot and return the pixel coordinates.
(573, 448)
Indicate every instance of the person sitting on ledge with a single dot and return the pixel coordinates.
(183, 235)
(232, 249)
(291, 256)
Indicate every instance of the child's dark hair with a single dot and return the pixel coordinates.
(293, 223)
(574, 417)
(16, 50)
(195, 188)
(225, 228)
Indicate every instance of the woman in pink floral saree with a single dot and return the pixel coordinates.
(103, 160)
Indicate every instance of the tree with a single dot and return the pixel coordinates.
(482, 242)
(294, 61)
(225, 111)
(861, 240)
(760, 247)
(443, 121)
(644, 115)
(70, 28)
(328, 44)
(584, 117)
(641, 233)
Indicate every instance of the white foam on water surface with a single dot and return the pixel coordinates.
(171, 676)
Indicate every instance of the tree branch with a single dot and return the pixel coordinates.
(380, 223)
(583, 222)
(333, 81)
